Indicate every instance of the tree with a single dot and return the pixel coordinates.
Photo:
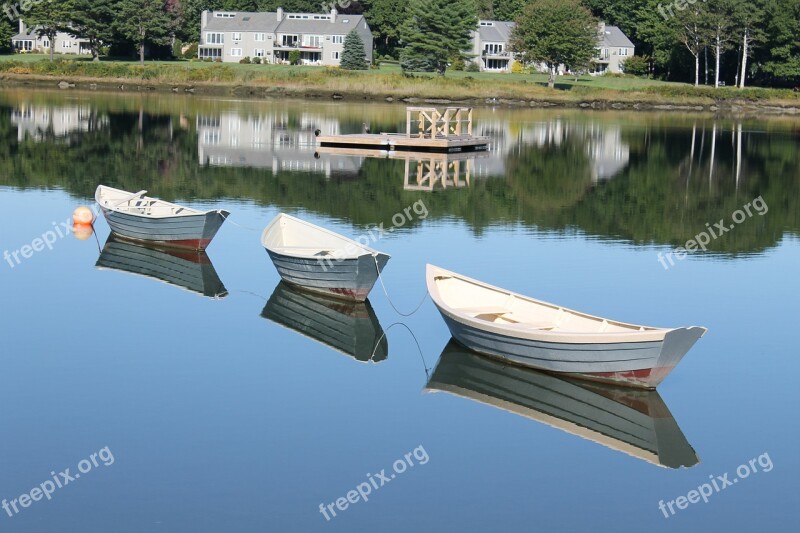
(436, 31)
(6, 32)
(47, 19)
(720, 27)
(92, 20)
(781, 59)
(693, 31)
(555, 32)
(353, 55)
(385, 18)
(144, 22)
(748, 17)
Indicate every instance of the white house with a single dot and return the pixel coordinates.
(234, 35)
(27, 40)
(492, 53)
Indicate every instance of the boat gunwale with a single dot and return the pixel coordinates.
(191, 211)
(366, 250)
(649, 334)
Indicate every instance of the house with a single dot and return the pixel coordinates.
(490, 45)
(613, 49)
(27, 40)
(230, 36)
(491, 50)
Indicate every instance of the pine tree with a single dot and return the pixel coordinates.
(437, 31)
(47, 19)
(353, 55)
(6, 32)
(144, 22)
(91, 20)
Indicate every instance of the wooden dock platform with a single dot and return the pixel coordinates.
(427, 130)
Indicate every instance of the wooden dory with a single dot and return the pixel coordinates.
(500, 323)
(318, 260)
(633, 421)
(141, 218)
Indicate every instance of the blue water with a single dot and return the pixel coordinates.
(221, 420)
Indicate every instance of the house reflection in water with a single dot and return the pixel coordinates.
(271, 141)
(39, 122)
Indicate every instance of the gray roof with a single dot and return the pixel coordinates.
(243, 21)
(25, 37)
(321, 27)
(268, 23)
(499, 31)
(614, 38)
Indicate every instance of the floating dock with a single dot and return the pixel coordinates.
(427, 130)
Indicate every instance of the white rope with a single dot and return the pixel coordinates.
(380, 277)
(225, 218)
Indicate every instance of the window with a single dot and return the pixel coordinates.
(215, 38)
(46, 43)
(487, 23)
(237, 36)
(338, 39)
(312, 41)
(493, 48)
(236, 52)
(623, 51)
(335, 55)
(258, 52)
(66, 44)
(259, 37)
(224, 15)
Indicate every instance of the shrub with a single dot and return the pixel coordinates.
(294, 57)
(517, 68)
(191, 52)
(245, 60)
(637, 66)
(457, 63)
(256, 61)
(472, 67)
(177, 48)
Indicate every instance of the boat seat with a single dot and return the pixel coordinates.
(473, 311)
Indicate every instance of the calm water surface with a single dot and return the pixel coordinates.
(232, 403)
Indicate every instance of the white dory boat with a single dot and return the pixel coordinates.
(141, 218)
(500, 323)
(318, 260)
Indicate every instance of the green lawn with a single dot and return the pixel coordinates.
(566, 82)
(389, 81)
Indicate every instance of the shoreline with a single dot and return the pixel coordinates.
(633, 100)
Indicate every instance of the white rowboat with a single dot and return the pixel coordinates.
(500, 323)
(319, 260)
(138, 217)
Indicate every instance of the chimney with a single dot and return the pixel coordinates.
(21, 27)
(333, 15)
(602, 28)
(279, 14)
(204, 19)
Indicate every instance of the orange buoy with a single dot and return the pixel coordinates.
(83, 215)
(82, 231)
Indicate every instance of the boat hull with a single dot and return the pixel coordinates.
(193, 232)
(638, 364)
(347, 279)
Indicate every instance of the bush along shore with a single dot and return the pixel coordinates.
(460, 88)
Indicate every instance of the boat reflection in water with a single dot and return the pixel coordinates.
(633, 421)
(188, 269)
(346, 326)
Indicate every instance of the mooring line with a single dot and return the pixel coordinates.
(225, 218)
(380, 277)
(419, 349)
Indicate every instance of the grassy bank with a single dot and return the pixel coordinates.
(390, 82)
